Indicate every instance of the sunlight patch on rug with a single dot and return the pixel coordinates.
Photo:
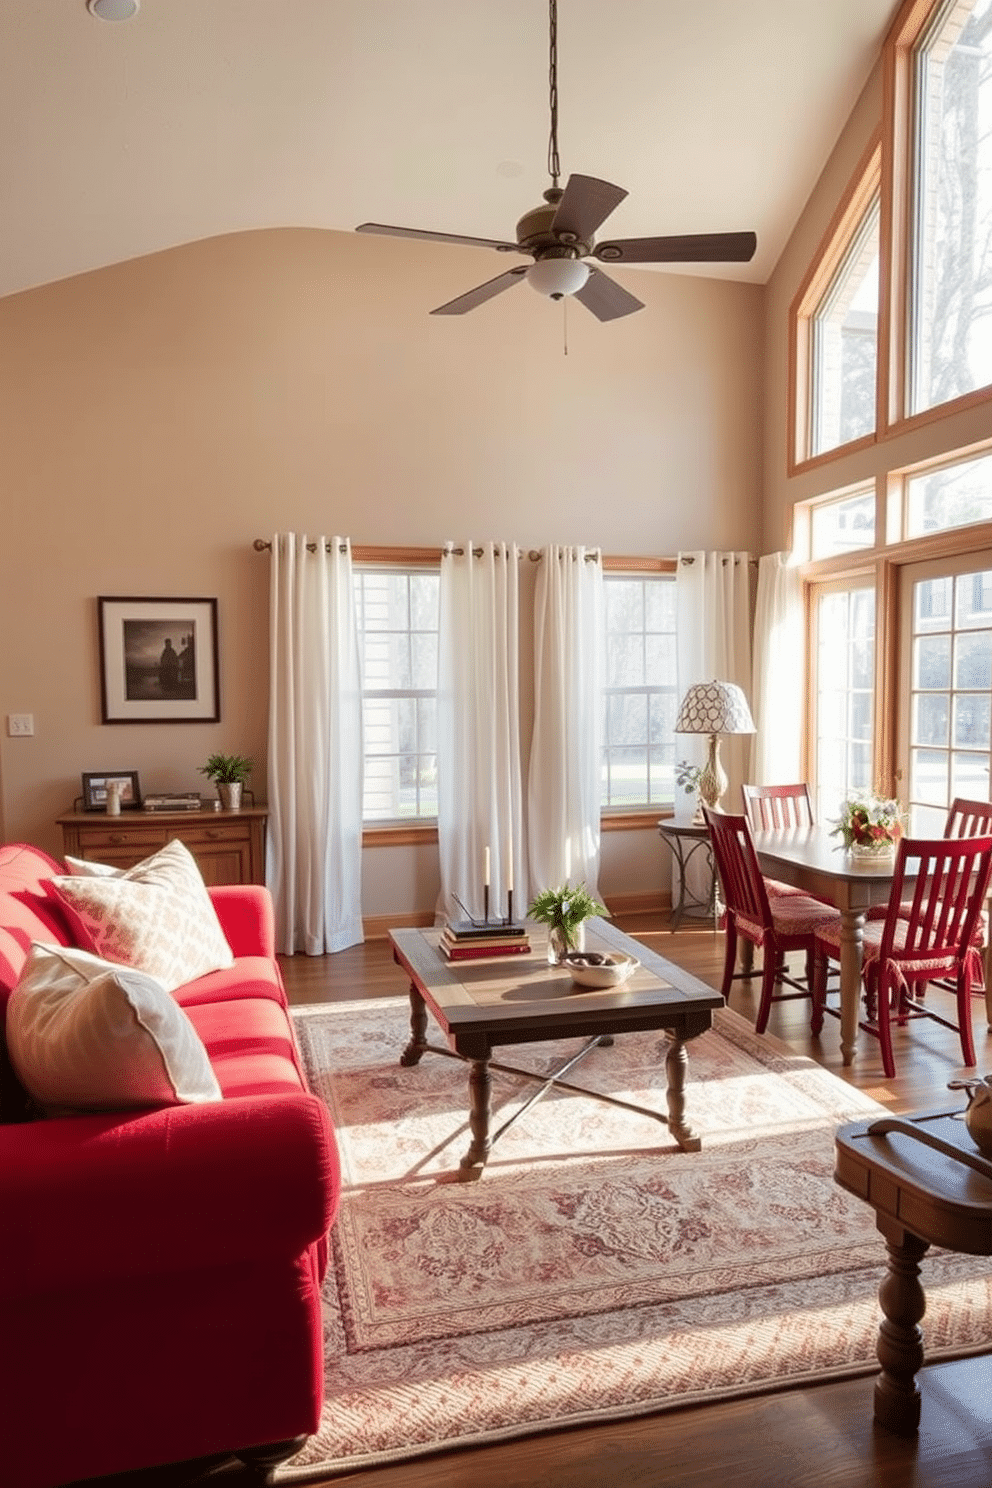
(595, 1271)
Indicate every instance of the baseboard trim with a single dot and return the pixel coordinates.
(377, 927)
(635, 904)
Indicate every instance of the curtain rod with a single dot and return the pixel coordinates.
(751, 562)
(263, 545)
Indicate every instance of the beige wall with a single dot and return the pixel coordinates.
(157, 416)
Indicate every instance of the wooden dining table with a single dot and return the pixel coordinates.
(812, 860)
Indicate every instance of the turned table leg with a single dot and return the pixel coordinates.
(418, 1030)
(676, 1065)
(479, 1088)
(900, 1342)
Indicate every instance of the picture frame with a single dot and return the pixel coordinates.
(159, 660)
(95, 789)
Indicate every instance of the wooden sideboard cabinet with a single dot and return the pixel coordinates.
(229, 846)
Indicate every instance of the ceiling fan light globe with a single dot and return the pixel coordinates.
(556, 277)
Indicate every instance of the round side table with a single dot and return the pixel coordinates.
(685, 840)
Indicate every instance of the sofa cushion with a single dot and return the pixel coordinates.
(87, 1034)
(156, 917)
(250, 976)
(251, 1046)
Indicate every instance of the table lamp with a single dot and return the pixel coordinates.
(714, 708)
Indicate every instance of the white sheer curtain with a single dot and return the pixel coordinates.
(563, 785)
(480, 797)
(713, 604)
(780, 677)
(315, 746)
(713, 609)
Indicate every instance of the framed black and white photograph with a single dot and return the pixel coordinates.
(95, 789)
(159, 660)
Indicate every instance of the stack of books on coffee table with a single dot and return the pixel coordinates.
(472, 940)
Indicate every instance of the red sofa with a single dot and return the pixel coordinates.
(160, 1269)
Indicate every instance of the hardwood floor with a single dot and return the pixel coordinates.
(817, 1437)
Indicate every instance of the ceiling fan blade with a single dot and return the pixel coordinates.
(436, 237)
(586, 203)
(693, 248)
(481, 293)
(605, 297)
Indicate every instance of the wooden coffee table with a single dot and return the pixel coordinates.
(480, 1005)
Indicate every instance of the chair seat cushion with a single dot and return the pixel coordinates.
(796, 915)
(980, 937)
(934, 962)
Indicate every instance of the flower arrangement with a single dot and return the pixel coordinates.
(869, 822)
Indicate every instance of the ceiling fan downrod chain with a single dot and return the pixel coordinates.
(554, 164)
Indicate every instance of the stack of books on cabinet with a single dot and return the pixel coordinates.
(471, 940)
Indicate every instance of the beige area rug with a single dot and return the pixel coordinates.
(595, 1271)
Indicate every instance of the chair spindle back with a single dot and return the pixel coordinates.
(778, 807)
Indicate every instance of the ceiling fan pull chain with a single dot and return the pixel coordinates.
(564, 324)
(554, 164)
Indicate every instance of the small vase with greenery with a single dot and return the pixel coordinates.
(229, 772)
(687, 778)
(564, 910)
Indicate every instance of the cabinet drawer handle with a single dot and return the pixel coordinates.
(117, 838)
(212, 834)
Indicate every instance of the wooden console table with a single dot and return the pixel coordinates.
(229, 846)
(928, 1185)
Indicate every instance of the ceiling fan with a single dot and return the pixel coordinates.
(560, 237)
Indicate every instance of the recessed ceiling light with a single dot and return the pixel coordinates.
(113, 10)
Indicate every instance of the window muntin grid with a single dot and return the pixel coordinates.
(397, 616)
(640, 695)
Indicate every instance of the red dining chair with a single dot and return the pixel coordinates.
(928, 932)
(964, 819)
(778, 925)
(774, 808)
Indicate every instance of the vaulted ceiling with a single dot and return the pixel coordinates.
(201, 117)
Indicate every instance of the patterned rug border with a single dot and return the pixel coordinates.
(771, 1054)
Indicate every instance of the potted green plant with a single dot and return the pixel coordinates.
(229, 772)
(564, 910)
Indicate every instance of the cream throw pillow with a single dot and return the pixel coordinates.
(86, 868)
(156, 917)
(84, 1034)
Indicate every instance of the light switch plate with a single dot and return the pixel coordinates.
(20, 725)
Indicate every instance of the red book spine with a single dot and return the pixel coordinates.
(479, 953)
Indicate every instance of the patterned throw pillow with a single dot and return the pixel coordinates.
(156, 917)
(84, 1034)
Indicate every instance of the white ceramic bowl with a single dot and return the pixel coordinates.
(610, 973)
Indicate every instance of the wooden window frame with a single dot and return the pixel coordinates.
(897, 233)
(865, 186)
(412, 834)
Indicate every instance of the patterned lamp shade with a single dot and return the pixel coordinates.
(714, 708)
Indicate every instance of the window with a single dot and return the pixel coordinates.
(951, 340)
(844, 329)
(397, 614)
(844, 525)
(834, 322)
(640, 693)
(844, 622)
(946, 743)
(951, 496)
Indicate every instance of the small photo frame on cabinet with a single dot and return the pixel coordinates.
(95, 789)
(159, 660)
